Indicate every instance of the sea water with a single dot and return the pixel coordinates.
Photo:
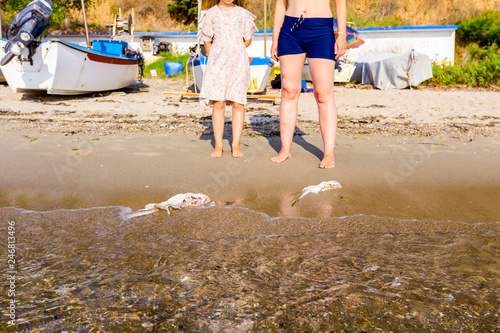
(235, 269)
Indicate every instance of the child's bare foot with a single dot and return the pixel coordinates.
(281, 157)
(328, 162)
(217, 152)
(237, 152)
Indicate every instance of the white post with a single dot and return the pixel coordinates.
(65, 14)
(1, 22)
(199, 10)
(85, 24)
(198, 28)
(265, 28)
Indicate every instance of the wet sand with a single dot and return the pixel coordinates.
(410, 242)
(397, 177)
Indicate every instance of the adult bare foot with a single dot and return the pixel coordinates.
(281, 157)
(328, 162)
(237, 152)
(217, 152)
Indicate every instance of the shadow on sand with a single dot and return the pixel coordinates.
(260, 125)
(43, 96)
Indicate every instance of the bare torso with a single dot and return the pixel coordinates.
(309, 8)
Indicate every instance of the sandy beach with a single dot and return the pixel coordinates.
(410, 242)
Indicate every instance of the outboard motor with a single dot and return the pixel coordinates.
(28, 24)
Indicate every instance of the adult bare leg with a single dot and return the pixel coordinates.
(219, 108)
(291, 74)
(322, 73)
(238, 122)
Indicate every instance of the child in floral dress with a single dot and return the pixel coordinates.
(226, 30)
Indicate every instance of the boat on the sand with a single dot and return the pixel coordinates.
(260, 69)
(63, 68)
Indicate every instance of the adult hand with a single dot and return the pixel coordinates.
(340, 46)
(274, 51)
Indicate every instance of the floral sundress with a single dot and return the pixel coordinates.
(227, 75)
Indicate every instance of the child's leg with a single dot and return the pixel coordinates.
(238, 122)
(219, 108)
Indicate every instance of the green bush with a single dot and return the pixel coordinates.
(184, 10)
(480, 69)
(484, 29)
(166, 57)
(12, 7)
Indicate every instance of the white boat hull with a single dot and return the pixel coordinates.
(63, 68)
(342, 74)
(2, 53)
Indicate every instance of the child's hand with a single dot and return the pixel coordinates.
(208, 46)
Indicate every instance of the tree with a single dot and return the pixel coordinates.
(184, 10)
(483, 29)
(12, 7)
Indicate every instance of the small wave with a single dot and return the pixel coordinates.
(124, 213)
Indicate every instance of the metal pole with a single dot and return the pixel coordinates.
(198, 29)
(65, 14)
(1, 22)
(199, 10)
(85, 23)
(265, 28)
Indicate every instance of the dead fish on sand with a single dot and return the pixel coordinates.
(323, 186)
(176, 202)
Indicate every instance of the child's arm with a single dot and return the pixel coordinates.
(208, 46)
(247, 42)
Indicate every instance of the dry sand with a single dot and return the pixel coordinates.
(430, 154)
(452, 108)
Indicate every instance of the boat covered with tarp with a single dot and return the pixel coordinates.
(393, 71)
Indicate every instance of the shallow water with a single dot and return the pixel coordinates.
(232, 269)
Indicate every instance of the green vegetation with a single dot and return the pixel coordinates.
(484, 29)
(59, 12)
(166, 57)
(185, 11)
(481, 68)
(479, 65)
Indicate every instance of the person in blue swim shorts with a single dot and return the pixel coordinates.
(306, 31)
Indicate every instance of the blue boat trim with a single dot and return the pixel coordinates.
(78, 33)
(196, 61)
(427, 27)
(91, 51)
(114, 47)
(259, 61)
(182, 34)
(256, 61)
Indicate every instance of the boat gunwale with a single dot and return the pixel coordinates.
(92, 51)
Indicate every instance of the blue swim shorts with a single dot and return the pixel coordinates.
(312, 36)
